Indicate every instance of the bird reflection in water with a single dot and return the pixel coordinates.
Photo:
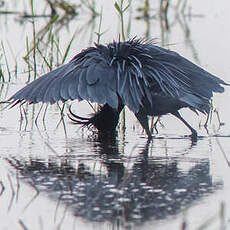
(150, 188)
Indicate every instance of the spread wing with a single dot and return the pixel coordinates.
(86, 77)
(181, 79)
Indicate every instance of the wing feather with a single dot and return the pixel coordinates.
(82, 86)
(88, 76)
(73, 83)
(38, 86)
(181, 79)
(68, 85)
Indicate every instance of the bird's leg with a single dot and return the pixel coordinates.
(194, 132)
(143, 119)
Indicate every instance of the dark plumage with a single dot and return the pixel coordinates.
(150, 80)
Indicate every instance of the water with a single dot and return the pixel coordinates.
(57, 176)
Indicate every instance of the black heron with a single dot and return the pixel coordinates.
(148, 79)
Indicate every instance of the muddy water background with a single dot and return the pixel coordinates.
(58, 176)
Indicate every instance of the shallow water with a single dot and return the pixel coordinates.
(58, 176)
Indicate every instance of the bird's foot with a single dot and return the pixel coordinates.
(194, 134)
(150, 137)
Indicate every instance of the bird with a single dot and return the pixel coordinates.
(150, 80)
